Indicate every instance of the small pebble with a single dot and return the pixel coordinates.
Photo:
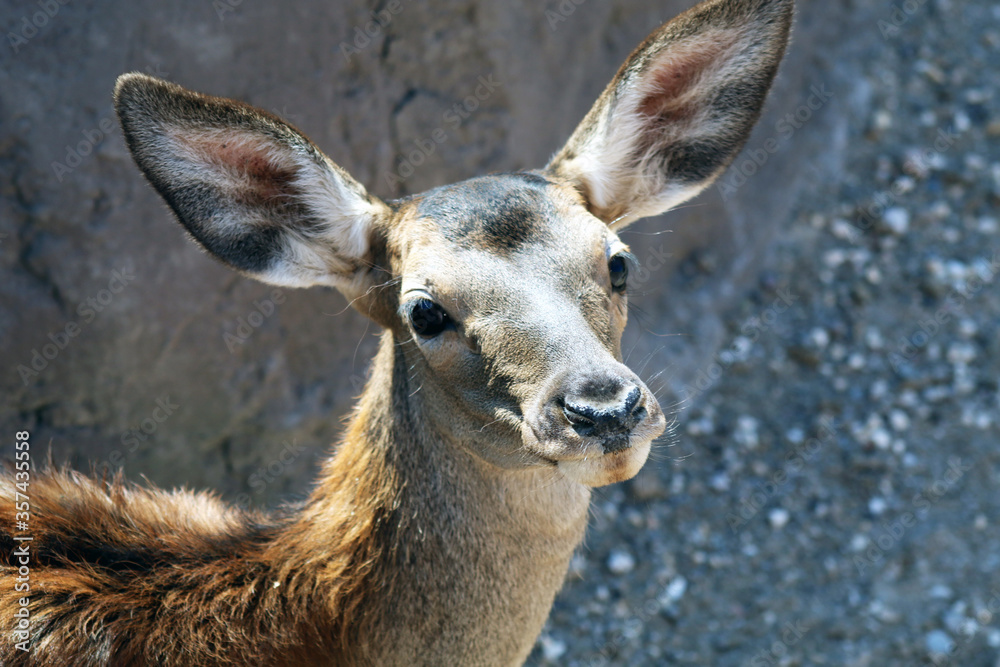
(967, 328)
(897, 219)
(795, 435)
(937, 394)
(977, 95)
(878, 389)
(882, 120)
(961, 353)
(954, 618)
(844, 230)
(908, 398)
(880, 438)
(873, 338)
(903, 185)
(987, 225)
(746, 433)
(940, 592)
(819, 338)
(975, 162)
(962, 121)
(877, 506)
(700, 426)
(674, 591)
(899, 420)
(577, 565)
(552, 648)
(720, 482)
(938, 641)
(778, 518)
(621, 562)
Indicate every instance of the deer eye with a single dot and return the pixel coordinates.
(429, 319)
(618, 270)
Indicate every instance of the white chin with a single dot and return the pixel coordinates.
(606, 469)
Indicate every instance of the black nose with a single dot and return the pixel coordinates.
(609, 421)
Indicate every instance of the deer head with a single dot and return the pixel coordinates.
(507, 292)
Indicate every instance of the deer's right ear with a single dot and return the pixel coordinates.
(251, 189)
(678, 111)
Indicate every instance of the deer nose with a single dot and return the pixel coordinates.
(610, 421)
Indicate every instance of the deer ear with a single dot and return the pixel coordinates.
(251, 189)
(678, 111)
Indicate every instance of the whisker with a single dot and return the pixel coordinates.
(490, 424)
(392, 281)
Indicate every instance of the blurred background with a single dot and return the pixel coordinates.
(823, 321)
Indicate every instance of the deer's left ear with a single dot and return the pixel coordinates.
(251, 189)
(678, 111)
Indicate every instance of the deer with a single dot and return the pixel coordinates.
(442, 526)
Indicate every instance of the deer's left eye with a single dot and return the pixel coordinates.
(429, 319)
(618, 270)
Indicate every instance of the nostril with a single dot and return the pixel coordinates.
(601, 419)
(632, 400)
(580, 417)
(637, 417)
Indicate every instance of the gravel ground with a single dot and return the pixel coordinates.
(828, 498)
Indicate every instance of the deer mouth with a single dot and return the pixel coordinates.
(589, 458)
(608, 468)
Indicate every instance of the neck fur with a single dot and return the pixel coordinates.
(410, 540)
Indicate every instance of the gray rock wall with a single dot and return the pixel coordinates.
(136, 318)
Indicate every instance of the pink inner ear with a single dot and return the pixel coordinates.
(680, 82)
(248, 165)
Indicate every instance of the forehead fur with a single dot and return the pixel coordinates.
(500, 213)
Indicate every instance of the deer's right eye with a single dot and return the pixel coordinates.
(429, 319)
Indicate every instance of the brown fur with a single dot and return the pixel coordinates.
(441, 529)
(124, 575)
